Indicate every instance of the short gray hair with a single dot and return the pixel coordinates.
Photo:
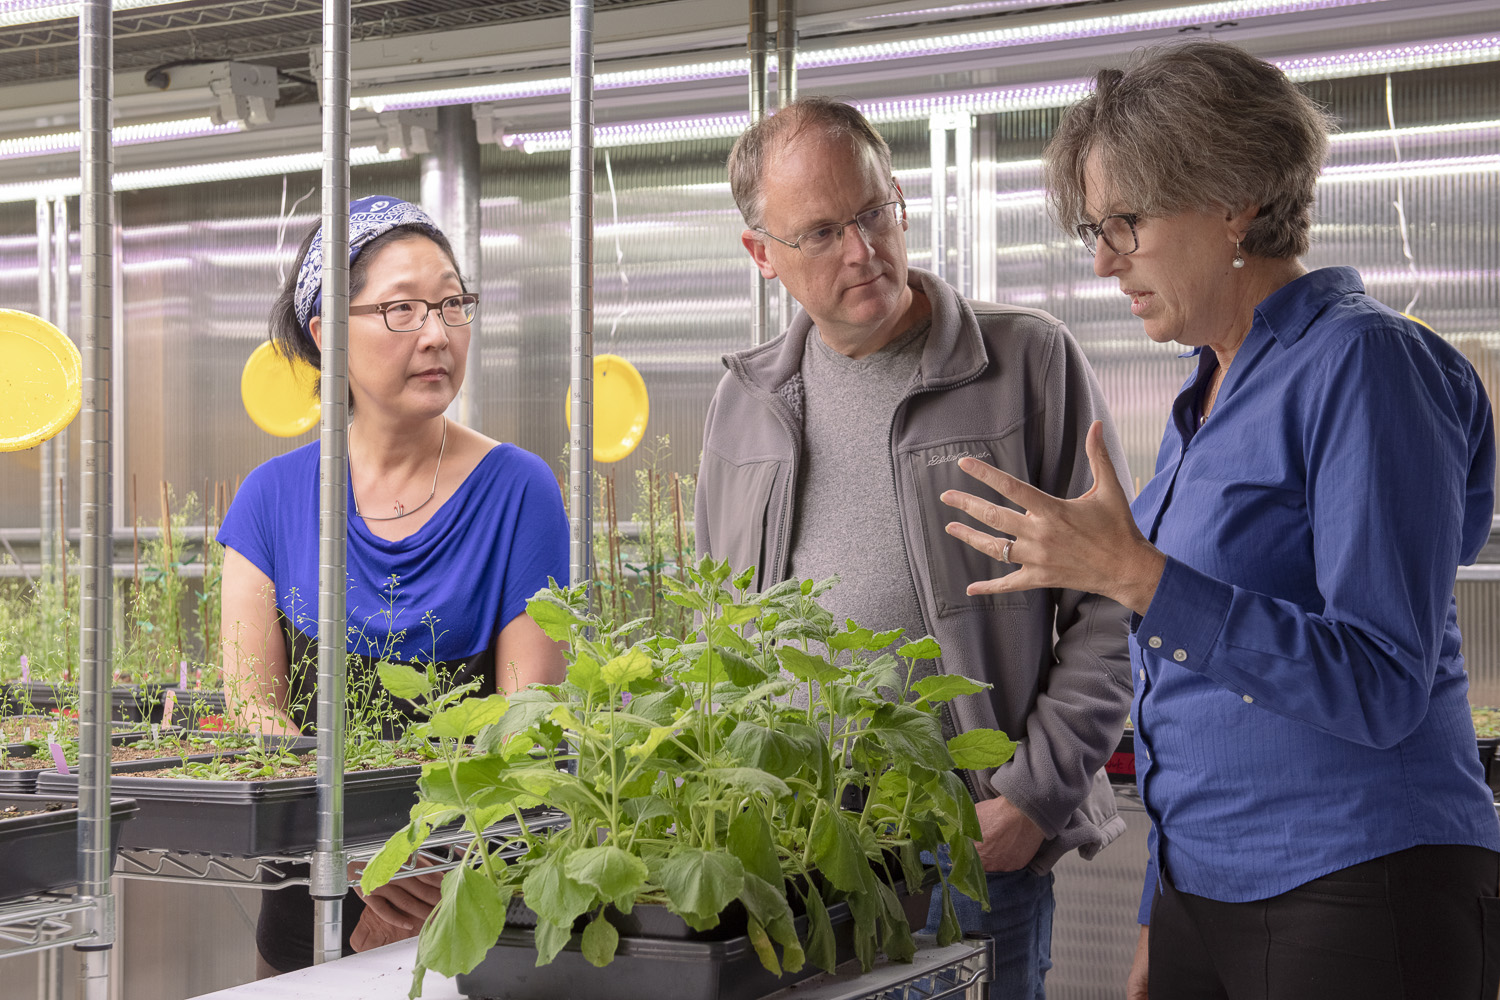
(1198, 126)
(760, 142)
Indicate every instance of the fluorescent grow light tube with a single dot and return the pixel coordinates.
(124, 135)
(136, 180)
(1170, 18)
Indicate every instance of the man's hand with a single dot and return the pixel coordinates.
(1135, 985)
(373, 930)
(1011, 839)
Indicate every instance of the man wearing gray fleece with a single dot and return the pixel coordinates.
(825, 452)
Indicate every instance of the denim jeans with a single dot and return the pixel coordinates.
(1020, 924)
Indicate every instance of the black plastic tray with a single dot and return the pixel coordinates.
(1487, 748)
(24, 782)
(126, 704)
(41, 851)
(275, 817)
(644, 968)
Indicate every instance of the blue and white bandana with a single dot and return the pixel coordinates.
(369, 217)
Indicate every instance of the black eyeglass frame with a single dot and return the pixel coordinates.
(1092, 232)
(381, 307)
(840, 226)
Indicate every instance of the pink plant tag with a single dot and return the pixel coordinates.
(167, 705)
(25, 670)
(59, 759)
(182, 675)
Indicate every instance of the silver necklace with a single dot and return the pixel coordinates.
(1214, 382)
(401, 510)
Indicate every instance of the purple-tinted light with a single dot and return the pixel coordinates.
(1401, 58)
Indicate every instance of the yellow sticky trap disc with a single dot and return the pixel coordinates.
(621, 408)
(281, 395)
(41, 380)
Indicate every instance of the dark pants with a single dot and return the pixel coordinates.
(284, 931)
(1420, 924)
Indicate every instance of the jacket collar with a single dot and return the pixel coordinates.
(1287, 312)
(954, 351)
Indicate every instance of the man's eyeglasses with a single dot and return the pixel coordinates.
(1117, 231)
(407, 315)
(872, 222)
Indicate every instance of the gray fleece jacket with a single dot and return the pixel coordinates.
(1010, 386)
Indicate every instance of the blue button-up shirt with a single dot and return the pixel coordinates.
(1300, 698)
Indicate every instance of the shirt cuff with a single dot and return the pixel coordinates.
(1186, 615)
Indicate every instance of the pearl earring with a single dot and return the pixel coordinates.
(1239, 258)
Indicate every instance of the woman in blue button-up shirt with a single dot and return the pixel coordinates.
(1320, 823)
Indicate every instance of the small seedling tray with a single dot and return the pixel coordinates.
(274, 817)
(24, 782)
(644, 968)
(1487, 759)
(126, 704)
(41, 851)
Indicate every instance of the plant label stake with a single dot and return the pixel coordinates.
(25, 670)
(182, 674)
(167, 705)
(58, 758)
(155, 734)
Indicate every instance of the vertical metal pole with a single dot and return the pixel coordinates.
(63, 320)
(985, 237)
(786, 93)
(96, 579)
(120, 399)
(938, 132)
(329, 880)
(963, 170)
(758, 43)
(47, 509)
(581, 238)
(450, 193)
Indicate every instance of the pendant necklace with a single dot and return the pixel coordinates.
(1215, 381)
(400, 507)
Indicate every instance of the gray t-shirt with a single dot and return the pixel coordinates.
(846, 522)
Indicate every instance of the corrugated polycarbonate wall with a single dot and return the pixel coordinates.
(673, 287)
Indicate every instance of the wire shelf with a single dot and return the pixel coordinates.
(39, 923)
(957, 971)
(441, 852)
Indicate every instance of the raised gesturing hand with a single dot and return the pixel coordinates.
(1089, 544)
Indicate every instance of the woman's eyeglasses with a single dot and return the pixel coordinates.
(408, 315)
(1117, 232)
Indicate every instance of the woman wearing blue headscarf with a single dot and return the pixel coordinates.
(449, 532)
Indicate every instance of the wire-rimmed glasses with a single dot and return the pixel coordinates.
(408, 315)
(872, 222)
(1117, 231)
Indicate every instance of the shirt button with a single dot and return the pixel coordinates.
(1154, 642)
(1248, 700)
(1179, 655)
(1143, 673)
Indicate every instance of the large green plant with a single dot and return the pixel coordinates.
(698, 780)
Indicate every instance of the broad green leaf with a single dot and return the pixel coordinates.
(688, 599)
(600, 939)
(615, 874)
(822, 948)
(646, 807)
(465, 719)
(745, 578)
(855, 636)
(751, 781)
(584, 674)
(751, 840)
(945, 687)
(553, 619)
(897, 940)
(739, 614)
(805, 666)
(647, 747)
(912, 869)
(658, 708)
(911, 735)
(851, 700)
(525, 710)
(622, 671)
(767, 907)
(465, 923)
(836, 849)
(699, 884)
(554, 895)
(926, 648)
(761, 942)
(472, 781)
(953, 806)
(981, 748)
(404, 681)
(967, 875)
(866, 909)
(765, 748)
(739, 669)
(550, 939)
(389, 859)
(949, 930)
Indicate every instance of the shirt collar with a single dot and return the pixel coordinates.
(1287, 312)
